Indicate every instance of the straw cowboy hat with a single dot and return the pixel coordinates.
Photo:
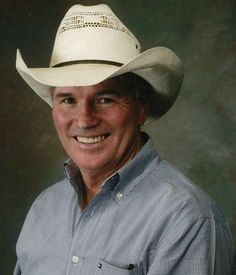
(93, 45)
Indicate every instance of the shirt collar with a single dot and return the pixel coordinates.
(124, 180)
(131, 174)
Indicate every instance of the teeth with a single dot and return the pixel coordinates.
(90, 140)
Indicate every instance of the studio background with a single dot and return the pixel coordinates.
(197, 135)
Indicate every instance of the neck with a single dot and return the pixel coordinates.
(93, 183)
(94, 179)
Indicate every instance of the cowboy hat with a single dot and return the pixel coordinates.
(93, 45)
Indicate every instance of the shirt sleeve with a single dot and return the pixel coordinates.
(198, 247)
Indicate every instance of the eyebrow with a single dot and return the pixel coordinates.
(61, 94)
(108, 92)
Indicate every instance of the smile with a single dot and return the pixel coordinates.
(91, 140)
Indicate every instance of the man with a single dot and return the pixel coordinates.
(121, 209)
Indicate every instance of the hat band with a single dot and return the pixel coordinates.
(88, 62)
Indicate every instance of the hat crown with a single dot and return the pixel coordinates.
(93, 33)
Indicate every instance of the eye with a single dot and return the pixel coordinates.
(105, 100)
(69, 100)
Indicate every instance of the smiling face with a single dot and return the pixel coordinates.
(98, 126)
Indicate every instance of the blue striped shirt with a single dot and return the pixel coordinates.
(147, 219)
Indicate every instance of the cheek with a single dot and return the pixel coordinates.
(118, 119)
(123, 122)
(60, 120)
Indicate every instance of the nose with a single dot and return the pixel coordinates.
(86, 116)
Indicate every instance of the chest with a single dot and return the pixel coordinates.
(104, 238)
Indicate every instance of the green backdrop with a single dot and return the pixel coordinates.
(198, 135)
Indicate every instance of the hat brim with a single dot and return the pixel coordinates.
(159, 66)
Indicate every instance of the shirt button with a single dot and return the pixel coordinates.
(100, 265)
(119, 195)
(75, 259)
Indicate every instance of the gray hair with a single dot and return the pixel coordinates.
(137, 88)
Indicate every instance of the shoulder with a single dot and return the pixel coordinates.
(49, 209)
(181, 221)
(54, 198)
(54, 202)
(181, 206)
(171, 190)
(60, 190)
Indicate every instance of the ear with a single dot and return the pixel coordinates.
(142, 112)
